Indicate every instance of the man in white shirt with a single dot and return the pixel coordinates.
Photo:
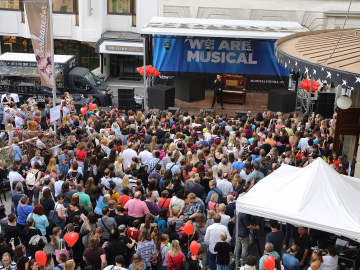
(225, 219)
(207, 135)
(212, 236)
(19, 122)
(129, 153)
(14, 175)
(145, 155)
(225, 186)
(58, 184)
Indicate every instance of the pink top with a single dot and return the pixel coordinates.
(136, 208)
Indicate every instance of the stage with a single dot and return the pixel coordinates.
(255, 101)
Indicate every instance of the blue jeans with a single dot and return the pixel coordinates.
(5, 184)
(290, 228)
(222, 267)
(243, 244)
(212, 261)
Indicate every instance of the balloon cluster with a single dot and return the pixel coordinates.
(307, 83)
(150, 70)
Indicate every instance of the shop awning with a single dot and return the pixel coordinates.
(113, 42)
(23, 71)
(250, 29)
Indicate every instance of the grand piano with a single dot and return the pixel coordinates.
(235, 89)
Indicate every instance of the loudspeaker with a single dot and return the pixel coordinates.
(173, 109)
(207, 110)
(161, 96)
(241, 113)
(190, 89)
(325, 104)
(281, 100)
(126, 100)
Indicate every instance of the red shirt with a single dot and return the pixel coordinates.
(164, 204)
(123, 200)
(133, 234)
(178, 260)
(80, 155)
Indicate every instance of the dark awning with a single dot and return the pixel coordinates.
(23, 71)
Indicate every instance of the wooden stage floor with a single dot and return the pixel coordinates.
(255, 101)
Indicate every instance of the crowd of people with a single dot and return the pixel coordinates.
(127, 183)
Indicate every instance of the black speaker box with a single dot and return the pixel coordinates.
(173, 109)
(325, 104)
(190, 89)
(161, 96)
(281, 100)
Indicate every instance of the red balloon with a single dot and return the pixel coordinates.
(83, 111)
(194, 170)
(315, 83)
(138, 69)
(157, 73)
(92, 106)
(40, 257)
(151, 71)
(189, 228)
(302, 85)
(194, 247)
(142, 72)
(71, 238)
(269, 263)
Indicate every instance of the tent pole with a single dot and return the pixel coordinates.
(310, 91)
(236, 241)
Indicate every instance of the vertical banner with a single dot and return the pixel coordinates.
(38, 16)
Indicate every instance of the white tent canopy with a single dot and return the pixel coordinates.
(195, 27)
(315, 196)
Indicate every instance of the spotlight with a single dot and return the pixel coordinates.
(248, 48)
(208, 45)
(167, 44)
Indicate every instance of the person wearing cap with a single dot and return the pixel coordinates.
(119, 263)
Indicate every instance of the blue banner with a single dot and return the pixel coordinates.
(226, 56)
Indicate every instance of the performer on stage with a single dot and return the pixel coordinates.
(219, 86)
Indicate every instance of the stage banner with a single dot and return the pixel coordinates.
(38, 16)
(225, 57)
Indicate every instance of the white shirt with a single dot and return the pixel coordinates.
(112, 267)
(145, 157)
(63, 209)
(15, 176)
(207, 136)
(128, 154)
(105, 182)
(212, 235)
(330, 263)
(19, 122)
(225, 219)
(225, 186)
(57, 187)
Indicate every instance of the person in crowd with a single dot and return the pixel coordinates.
(145, 247)
(223, 250)
(289, 260)
(175, 257)
(276, 236)
(304, 245)
(269, 251)
(95, 255)
(136, 208)
(331, 259)
(212, 236)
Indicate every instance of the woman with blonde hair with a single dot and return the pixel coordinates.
(175, 256)
(137, 263)
(153, 144)
(212, 204)
(188, 157)
(317, 261)
(125, 182)
(32, 125)
(52, 163)
(138, 116)
(120, 165)
(195, 159)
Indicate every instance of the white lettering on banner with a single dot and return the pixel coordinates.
(223, 57)
(193, 56)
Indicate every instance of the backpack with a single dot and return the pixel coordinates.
(31, 178)
(212, 205)
(212, 140)
(90, 172)
(155, 258)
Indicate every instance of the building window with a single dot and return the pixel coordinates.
(64, 6)
(13, 4)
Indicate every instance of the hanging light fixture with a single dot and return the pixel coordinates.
(344, 102)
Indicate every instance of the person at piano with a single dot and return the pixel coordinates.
(219, 86)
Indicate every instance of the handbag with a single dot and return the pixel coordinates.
(92, 265)
(62, 251)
